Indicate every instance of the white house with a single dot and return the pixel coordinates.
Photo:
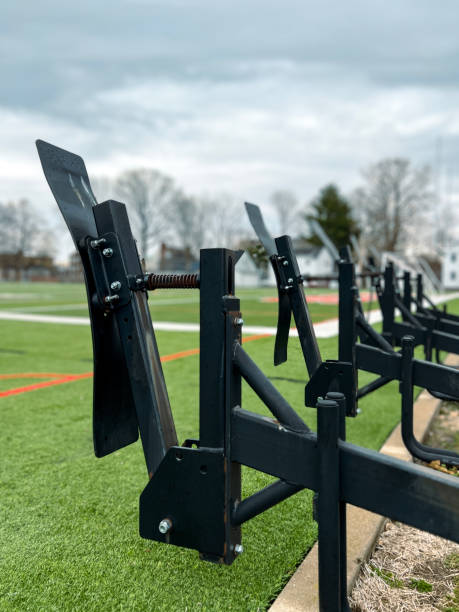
(450, 267)
(315, 261)
(247, 274)
(312, 261)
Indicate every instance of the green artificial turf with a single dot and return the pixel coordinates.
(69, 522)
(180, 306)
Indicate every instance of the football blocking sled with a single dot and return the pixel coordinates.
(193, 497)
(432, 332)
(372, 354)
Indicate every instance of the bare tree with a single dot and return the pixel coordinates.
(225, 220)
(22, 229)
(392, 204)
(148, 194)
(206, 221)
(285, 204)
(104, 188)
(188, 219)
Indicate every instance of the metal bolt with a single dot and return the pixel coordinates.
(165, 526)
(139, 281)
(285, 263)
(107, 252)
(95, 244)
(239, 321)
(111, 298)
(238, 549)
(115, 286)
(290, 280)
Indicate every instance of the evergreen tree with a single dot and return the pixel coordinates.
(334, 214)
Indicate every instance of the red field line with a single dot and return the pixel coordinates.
(47, 383)
(33, 375)
(180, 355)
(195, 351)
(320, 298)
(59, 379)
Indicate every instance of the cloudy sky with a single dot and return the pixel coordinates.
(239, 97)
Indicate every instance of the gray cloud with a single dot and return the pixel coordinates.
(243, 97)
(52, 48)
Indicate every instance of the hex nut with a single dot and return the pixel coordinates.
(165, 526)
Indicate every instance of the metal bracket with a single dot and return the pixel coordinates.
(190, 479)
(332, 376)
(106, 259)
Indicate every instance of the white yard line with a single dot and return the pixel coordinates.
(51, 308)
(157, 301)
(35, 318)
(325, 329)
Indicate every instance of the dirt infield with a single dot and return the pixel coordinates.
(330, 299)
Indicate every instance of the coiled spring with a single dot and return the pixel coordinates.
(172, 281)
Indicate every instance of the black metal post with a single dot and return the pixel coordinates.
(406, 390)
(220, 383)
(346, 312)
(407, 290)
(329, 506)
(347, 332)
(341, 401)
(387, 302)
(419, 293)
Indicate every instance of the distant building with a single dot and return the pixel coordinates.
(177, 261)
(312, 261)
(247, 274)
(74, 272)
(450, 267)
(20, 267)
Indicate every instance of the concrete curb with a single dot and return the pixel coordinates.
(363, 528)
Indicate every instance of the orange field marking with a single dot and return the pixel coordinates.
(33, 375)
(180, 355)
(59, 379)
(195, 351)
(48, 383)
(319, 298)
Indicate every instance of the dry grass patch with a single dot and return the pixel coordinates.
(410, 570)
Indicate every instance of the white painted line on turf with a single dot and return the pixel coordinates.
(325, 329)
(35, 318)
(51, 308)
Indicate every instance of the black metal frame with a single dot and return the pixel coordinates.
(433, 333)
(374, 353)
(420, 299)
(429, 317)
(193, 498)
